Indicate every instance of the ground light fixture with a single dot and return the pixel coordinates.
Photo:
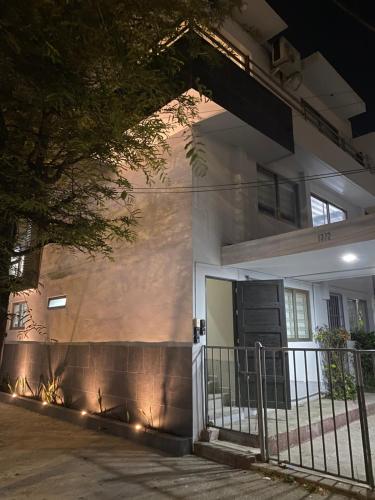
(349, 257)
(45, 403)
(14, 395)
(83, 412)
(137, 427)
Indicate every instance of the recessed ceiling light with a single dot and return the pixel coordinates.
(349, 257)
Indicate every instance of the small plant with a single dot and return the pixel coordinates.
(100, 401)
(340, 383)
(366, 341)
(21, 387)
(51, 392)
(149, 418)
(332, 338)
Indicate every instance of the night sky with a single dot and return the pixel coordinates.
(346, 43)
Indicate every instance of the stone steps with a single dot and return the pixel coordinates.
(223, 417)
(217, 401)
(227, 453)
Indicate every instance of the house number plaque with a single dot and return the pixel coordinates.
(326, 236)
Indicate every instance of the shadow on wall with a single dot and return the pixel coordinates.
(144, 383)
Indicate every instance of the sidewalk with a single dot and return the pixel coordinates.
(42, 458)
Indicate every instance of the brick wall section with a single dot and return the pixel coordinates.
(130, 376)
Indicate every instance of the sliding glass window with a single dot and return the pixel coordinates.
(324, 212)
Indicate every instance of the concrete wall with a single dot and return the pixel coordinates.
(131, 377)
(228, 216)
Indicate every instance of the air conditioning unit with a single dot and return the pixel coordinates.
(285, 58)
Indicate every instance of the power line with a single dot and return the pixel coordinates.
(241, 185)
(355, 16)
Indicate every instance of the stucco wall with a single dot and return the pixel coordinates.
(144, 294)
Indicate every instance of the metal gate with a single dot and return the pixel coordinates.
(328, 425)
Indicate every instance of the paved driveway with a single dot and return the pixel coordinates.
(42, 458)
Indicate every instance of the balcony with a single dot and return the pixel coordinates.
(312, 254)
(298, 105)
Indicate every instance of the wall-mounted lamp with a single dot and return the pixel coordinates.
(196, 331)
(202, 327)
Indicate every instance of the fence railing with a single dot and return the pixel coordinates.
(311, 408)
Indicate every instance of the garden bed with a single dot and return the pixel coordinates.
(173, 445)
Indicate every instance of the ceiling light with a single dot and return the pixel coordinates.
(349, 257)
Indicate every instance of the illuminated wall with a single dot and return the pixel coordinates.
(155, 378)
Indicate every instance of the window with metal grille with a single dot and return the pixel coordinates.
(297, 314)
(324, 212)
(277, 196)
(335, 311)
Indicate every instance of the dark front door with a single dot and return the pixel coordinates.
(260, 317)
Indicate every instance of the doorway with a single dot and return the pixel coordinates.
(239, 314)
(219, 312)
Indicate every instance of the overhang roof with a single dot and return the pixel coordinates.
(312, 254)
(228, 129)
(259, 15)
(330, 87)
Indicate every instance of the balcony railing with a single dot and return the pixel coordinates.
(243, 60)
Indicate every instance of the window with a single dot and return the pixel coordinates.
(17, 265)
(277, 196)
(335, 311)
(357, 315)
(324, 212)
(19, 315)
(57, 302)
(297, 314)
(25, 268)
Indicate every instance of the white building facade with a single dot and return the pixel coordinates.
(286, 195)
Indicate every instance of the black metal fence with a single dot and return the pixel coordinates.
(312, 408)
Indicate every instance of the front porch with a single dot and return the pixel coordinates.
(324, 432)
(332, 251)
(316, 411)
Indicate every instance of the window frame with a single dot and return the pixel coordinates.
(341, 315)
(327, 203)
(54, 298)
(357, 301)
(276, 183)
(14, 304)
(307, 295)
